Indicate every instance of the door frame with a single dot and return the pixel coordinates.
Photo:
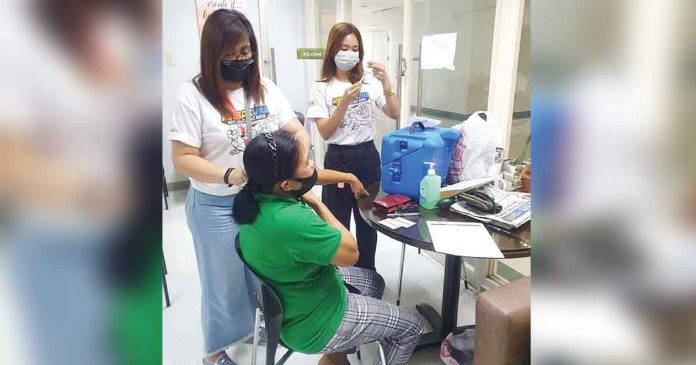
(507, 35)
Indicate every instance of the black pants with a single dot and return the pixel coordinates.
(361, 160)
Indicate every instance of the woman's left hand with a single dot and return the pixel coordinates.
(379, 72)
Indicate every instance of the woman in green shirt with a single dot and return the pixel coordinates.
(294, 243)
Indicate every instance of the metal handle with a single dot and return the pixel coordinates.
(418, 124)
(271, 62)
(419, 99)
(400, 73)
(273, 66)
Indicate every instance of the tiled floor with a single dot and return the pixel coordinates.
(182, 339)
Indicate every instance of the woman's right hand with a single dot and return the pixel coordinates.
(351, 93)
(238, 176)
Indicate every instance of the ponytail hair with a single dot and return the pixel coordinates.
(245, 208)
(269, 158)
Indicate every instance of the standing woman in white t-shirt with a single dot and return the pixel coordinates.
(343, 106)
(209, 135)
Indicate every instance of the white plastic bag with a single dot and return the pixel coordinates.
(474, 152)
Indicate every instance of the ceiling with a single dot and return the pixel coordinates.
(377, 5)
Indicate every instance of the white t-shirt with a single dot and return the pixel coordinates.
(358, 124)
(198, 124)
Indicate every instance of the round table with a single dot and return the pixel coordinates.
(513, 244)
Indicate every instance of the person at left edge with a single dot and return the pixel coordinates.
(208, 137)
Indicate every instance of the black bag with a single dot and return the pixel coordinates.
(480, 201)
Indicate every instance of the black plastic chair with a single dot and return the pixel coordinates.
(300, 117)
(272, 308)
(165, 190)
(164, 281)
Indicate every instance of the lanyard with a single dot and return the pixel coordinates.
(247, 118)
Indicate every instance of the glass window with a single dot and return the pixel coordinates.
(447, 95)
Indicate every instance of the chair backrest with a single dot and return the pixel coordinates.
(300, 117)
(269, 303)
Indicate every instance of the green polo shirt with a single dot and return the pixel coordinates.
(291, 248)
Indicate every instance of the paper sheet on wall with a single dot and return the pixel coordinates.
(438, 50)
(206, 7)
(466, 239)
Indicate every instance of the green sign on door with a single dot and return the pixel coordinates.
(310, 53)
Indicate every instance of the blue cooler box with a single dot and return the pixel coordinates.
(405, 151)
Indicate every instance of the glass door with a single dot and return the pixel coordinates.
(445, 94)
(473, 81)
(290, 32)
(451, 95)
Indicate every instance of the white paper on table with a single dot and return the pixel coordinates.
(390, 223)
(404, 222)
(438, 50)
(466, 239)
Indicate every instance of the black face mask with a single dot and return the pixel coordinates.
(307, 185)
(236, 70)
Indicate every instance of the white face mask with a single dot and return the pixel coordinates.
(346, 60)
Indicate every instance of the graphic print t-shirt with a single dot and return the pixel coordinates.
(221, 140)
(358, 124)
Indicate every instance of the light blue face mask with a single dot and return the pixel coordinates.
(346, 60)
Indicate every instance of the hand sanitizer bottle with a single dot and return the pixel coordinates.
(430, 188)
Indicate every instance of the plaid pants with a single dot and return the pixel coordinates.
(368, 319)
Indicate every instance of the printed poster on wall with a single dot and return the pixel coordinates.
(206, 7)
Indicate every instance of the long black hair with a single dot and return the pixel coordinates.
(269, 158)
(224, 27)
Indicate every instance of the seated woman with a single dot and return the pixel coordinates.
(294, 243)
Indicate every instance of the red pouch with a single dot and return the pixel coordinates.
(392, 203)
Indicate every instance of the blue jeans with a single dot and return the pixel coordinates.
(227, 306)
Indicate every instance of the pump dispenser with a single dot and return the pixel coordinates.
(430, 188)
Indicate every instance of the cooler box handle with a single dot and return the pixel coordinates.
(419, 124)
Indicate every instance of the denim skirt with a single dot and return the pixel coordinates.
(227, 306)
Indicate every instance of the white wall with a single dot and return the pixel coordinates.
(181, 44)
(287, 26)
